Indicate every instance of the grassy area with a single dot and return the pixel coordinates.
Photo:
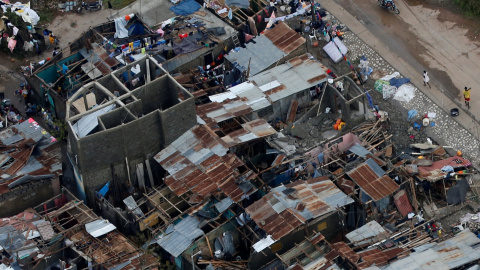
(118, 4)
(46, 15)
(471, 7)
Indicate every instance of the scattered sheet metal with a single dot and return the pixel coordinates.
(198, 162)
(263, 243)
(368, 233)
(252, 130)
(359, 150)
(453, 253)
(180, 236)
(99, 227)
(371, 181)
(260, 55)
(284, 37)
(132, 206)
(45, 229)
(435, 173)
(223, 204)
(296, 75)
(89, 122)
(402, 203)
(380, 257)
(285, 208)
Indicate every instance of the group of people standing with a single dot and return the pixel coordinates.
(466, 91)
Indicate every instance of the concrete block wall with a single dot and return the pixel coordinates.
(28, 196)
(177, 120)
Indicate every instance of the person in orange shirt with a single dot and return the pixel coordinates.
(52, 40)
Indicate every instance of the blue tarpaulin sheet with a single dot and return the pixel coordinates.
(185, 8)
(104, 190)
(398, 82)
(136, 29)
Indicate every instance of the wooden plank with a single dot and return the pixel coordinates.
(292, 112)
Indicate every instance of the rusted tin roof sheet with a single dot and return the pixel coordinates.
(296, 75)
(22, 139)
(346, 252)
(434, 172)
(250, 131)
(453, 253)
(381, 257)
(402, 203)
(286, 207)
(198, 162)
(377, 187)
(284, 37)
(368, 233)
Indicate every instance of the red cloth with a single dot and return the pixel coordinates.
(123, 46)
(182, 36)
(259, 18)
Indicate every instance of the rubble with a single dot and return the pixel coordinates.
(263, 156)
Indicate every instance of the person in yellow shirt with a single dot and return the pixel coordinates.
(466, 95)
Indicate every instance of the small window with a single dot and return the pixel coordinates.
(276, 247)
(322, 226)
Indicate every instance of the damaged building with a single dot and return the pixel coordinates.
(63, 232)
(157, 107)
(187, 41)
(31, 167)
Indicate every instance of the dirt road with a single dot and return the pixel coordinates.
(432, 37)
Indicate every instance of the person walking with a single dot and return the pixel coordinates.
(51, 39)
(466, 96)
(426, 79)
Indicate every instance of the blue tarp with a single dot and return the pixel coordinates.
(411, 114)
(398, 82)
(136, 29)
(186, 7)
(104, 190)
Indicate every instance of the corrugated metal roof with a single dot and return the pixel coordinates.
(368, 233)
(99, 227)
(261, 54)
(374, 166)
(223, 204)
(198, 162)
(370, 181)
(452, 253)
(402, 203)
(284, 37)
(296, 75)
(45, 229)
(250, 131)
(89, 122)
(285, 208)
(346, 252)
(359, 150)
(132, 206)
(434, 172)
(181, 236)
(381, 257)
(215, 112)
